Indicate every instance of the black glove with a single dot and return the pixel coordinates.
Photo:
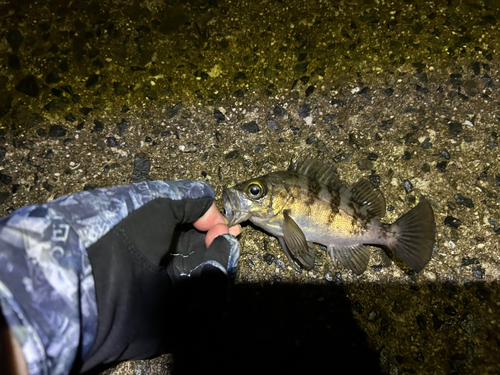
(152, 271)
(114, 273)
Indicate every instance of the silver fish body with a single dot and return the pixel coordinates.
(309, 204)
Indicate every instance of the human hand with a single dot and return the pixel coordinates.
(115, 265)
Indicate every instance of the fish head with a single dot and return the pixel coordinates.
(254, 200)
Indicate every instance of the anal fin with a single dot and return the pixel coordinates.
(354, 257)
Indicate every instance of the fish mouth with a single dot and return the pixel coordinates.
(229, 202)
(232, 207)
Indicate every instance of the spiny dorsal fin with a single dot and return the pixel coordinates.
(318, 170)
(370, 200)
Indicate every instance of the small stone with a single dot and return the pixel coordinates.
(304, 110)
(386, 125)
(478, 272)
(239, 94)
(461, 200)
(408, 186)
(372, 156)
(279, 111)
(301, 68)
(389, 92)
(471, 324)
(304, 79)
(56, 105)
(311, 140)
(358, 307)
(163, 134)
(294, 129)
(240, 76)
(148, 139)
(268, 258)
(28, 86)
(250, 127)
(13, 62)
(309, 91)
(112, 142)
(374, 179)
(468, 261)
(456, 79)
(6, 179)
(14, 38)
(92, 80)
(455, 127)
(421, 322)
(338, 102)
(334, 128)
(232, 155)
(476, 68)
(450, 310)
(98, 126)
(70, 117)
(441, 166)
(406, 155)
(3, 152)
(57, 131)
(142, 168)
(426, 144)
(173, 111)
(378, 137)
(445, 154)
(80, 125)
(470, 88)
(259, 148)
(85, 110)
(483, 294)
(47, 186)
(122, 126)
(422, 77)
(364, 165)
(219, 116)
(329, 117)
(53, 77)
(452, 222)
(273, 125)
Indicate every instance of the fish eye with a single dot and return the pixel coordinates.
(255, 190)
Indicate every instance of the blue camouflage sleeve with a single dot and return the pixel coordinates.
(47, 292)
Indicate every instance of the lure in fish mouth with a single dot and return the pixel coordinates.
(308, 204)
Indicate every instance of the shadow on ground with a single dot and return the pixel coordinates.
(281, 328)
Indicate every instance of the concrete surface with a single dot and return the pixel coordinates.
(403, 92)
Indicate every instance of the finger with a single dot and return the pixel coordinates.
(219, 229)
(215, 231)
(235, 230)
(211, 218)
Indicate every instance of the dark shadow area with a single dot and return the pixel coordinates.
(280, 329)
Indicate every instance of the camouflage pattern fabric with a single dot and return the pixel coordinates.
(47, 291)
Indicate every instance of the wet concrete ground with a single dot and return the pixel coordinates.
(405, 93)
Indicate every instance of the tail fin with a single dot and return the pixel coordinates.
(415, 234)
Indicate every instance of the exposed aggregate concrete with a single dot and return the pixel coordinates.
(405, 93)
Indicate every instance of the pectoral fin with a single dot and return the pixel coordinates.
(296, 242)
(354, 258)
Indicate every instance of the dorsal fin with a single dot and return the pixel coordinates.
(319, 170)
(370, 200)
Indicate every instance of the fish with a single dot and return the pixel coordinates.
(308, 204)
